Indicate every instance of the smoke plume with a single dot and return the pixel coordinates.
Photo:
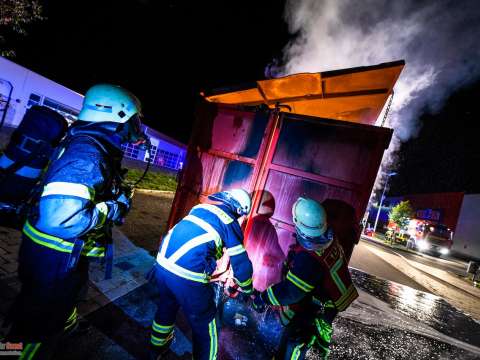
(439, 40)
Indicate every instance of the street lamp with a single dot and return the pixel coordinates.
(381, 200)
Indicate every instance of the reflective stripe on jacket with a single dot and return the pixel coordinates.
(322, 277)
(192, 246)
(71, 204)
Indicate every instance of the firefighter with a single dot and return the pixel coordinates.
(187, 258)
(78, 200)
(317, 284)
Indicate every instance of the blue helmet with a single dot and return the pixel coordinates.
(238, 199)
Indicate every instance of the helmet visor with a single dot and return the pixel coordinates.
(314, 243)
(136, 135)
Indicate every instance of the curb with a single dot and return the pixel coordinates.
(381, 243)
(146, 191)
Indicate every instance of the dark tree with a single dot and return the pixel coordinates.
(15, 15)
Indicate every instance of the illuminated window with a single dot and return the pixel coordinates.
(153, 152)
(166, 159)
(130, 151)
(160, 157)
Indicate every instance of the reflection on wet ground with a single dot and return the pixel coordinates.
(255, 336)
(424, 307)
(121, 329)
(354, 340)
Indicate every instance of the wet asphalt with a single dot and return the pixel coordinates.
(120, 330)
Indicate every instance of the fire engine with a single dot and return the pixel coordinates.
(428, 236)
(423, 235)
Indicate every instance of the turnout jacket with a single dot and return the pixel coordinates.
(191, 248)
(74, 199)
(315, 281)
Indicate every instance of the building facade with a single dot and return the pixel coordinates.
(166, 152)
(21, 88)
(442, 208)
(466, 238)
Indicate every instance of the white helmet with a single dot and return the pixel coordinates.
(310, 221)
(114, 104)
(105, 102)
(238, 199)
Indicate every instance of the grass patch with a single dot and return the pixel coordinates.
(153, 180)
(380, 237)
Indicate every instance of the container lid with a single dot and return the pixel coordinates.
(355, 94)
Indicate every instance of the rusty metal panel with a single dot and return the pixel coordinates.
(238, 133)
(286, 189)
(322, 160)
(222, 154)
(268, 252)
(323, 149)
(220, 173)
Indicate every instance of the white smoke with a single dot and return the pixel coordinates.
(439, 40)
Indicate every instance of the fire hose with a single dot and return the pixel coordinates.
(127, 189)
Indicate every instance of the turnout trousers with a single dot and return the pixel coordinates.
(46, 305)
(197, 302)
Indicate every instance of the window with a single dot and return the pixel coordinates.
(130, 151)
(153, 153)
(69, 113)
(166, 159)
(34, 99)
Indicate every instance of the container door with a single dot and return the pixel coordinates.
(277, 158)
(223, 154)
(308, 157)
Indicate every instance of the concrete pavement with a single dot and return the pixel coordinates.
(130, 265)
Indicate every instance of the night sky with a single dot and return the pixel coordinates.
(166, 52)
(445, 156)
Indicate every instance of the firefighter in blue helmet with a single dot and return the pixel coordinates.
(80, 197)
(186, 259)
(316, 287)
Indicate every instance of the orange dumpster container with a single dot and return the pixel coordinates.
(305, 135)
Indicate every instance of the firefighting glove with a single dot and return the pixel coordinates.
(322, 338)
(258, 304)
(126, 202)
(127, 190)
(117, 210)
